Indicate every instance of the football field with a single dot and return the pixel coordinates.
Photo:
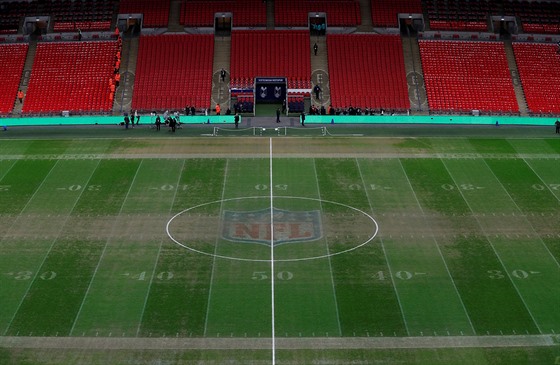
(274, 249)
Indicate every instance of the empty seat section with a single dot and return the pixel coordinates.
(539, 70)
(367, 71)
(294, 13)
(461, 15)
(267, 53)
(173, 71)
(71, 76)
(384, 12)
(472, 15)
(71, 15)
(67, 15)
(156, 13)
(463, 76)
(246, 13)
(12, 59)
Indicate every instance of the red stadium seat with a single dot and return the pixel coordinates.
(367, 71)
(270, 53)
(170, 75)
(74, 73)
(12, 58)
(539, 70)
(462, 76)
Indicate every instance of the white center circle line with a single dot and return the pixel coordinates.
(375, 229)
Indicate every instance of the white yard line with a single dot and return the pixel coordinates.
(328, 255)
(439, 251)
(157, 256)
(507, 271)
(115, 223)
(9, 169)
(529, 222)
(273, 335)
(48, 251)
(384, 253)
(215, 250)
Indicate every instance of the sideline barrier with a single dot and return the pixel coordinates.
(427, 119)
(109, 120)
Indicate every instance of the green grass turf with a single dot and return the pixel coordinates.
(468, 244)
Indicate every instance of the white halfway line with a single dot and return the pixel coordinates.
(272, 255)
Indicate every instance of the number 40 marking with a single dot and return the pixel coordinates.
(402, 275)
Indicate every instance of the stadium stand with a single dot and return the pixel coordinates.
(270, 53)
(294, 13)
(72, 15)
(156, 13)
(67, 15)
(12, 58)
(367, 71)
(460, 15)
(173, 71)
(11, 13)
(539, 70)
(536, 19)
(473, 15)
(246, 13)
(71, 76)
(384, 12)
(462, 76)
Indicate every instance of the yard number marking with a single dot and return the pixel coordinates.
(5, 187)
(263, 275)
(402, 275)
(283, 187)
(164, 275)
(540, 187)
(466, 187)
(171, 187)
(80, 187)
(519, 274)
(26, 275)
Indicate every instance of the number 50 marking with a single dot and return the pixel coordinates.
(281, 275)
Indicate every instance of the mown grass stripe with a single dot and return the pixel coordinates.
(30, 255)
(480, 172)
(121, 284)
(390, 270)
(428, 296)
(306, 302)
(20, 183)
(121, 184)
(72, 282)
(50, 306)
(236, 281)
(215, 253)
(469, 255)
(145, 302)
(365, 305)
(316, 177)
(164, 315)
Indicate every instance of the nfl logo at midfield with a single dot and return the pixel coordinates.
(255, 226)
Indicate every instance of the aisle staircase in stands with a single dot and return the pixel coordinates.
(220, 89)
(320, 71)
(414, 75)
(517, 87)
(26, 75)
(123, 94)
(174, 17)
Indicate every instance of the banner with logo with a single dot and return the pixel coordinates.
(270, 89)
